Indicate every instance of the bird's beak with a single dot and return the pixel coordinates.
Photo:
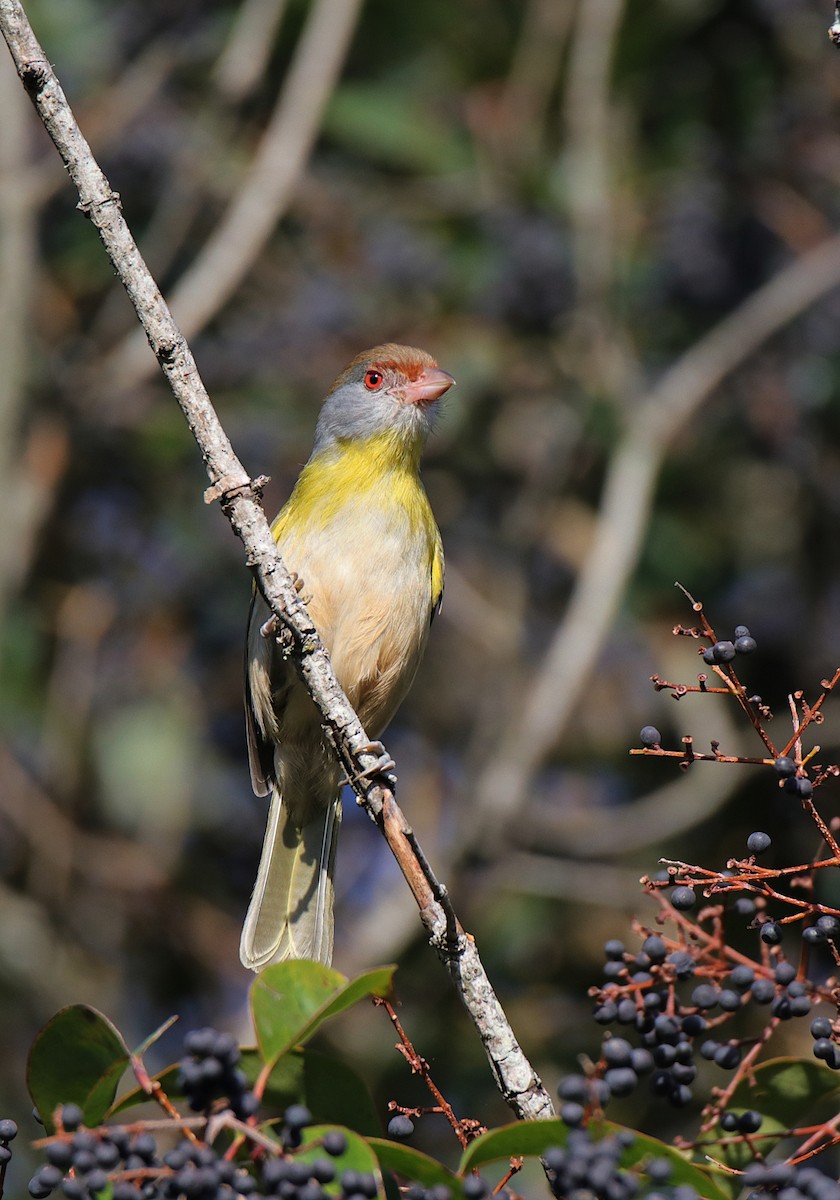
(429, 385)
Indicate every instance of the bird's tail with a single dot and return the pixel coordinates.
(291, 909)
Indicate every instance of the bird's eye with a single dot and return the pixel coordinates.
(373, 380)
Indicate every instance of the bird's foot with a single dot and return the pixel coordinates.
(383, 766)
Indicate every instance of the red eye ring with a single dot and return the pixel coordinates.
(374, 380)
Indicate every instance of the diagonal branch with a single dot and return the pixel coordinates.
(239, 496)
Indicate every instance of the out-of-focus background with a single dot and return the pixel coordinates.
(613, 222)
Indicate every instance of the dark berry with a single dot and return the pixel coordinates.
(605, 1014)
(573, 1087)
(812, 935)
(758, 842)
(683, 964)
(655, 948)
(741, 978)
(400, 1127)
(667, 1029)
(297, 1116)
(745, 644)
(727, 1057)
(650, 736)
(762, 991)
(621, 1080)
(798, 785)
(723, 652)
(616, 1052)
(741, 631)
(475, 1188)
(771, 933)
(709, 656)
(749, 1121)
(334, 1143)
(626, 1011)
(614, 950)
(683, 898)
(641, 1060)
(705, 995)
(744, 907)
(821, 1027)
(71, 1117)
(60, 1154)
(8, 1129)
(784, 973)
(823, 1048)
(572, 1114)
(728, 1122)
(659, 1170)
(694, 1023)
(785, 766)
(829, 925)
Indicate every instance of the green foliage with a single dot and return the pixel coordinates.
(77, 1058)
(291, 1000)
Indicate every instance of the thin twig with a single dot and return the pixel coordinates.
(516, 1078)
(464, 1130)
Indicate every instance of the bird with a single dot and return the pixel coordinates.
(360, 538)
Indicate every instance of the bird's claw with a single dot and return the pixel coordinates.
(384, 765)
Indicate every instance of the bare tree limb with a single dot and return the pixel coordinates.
(243, 61)
(267, 190)
(239, 496)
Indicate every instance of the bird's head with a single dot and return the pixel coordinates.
(387, 390)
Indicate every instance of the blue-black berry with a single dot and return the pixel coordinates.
(400, 1127)
(683, 898)
(771, 933)
(650, 736)
(758, 842)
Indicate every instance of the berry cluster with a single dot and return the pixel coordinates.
(210, 1071)
(84, 1163)
(674, 994)
(724, 651)
(589, 1167)
(794, 782)
(8, 1133)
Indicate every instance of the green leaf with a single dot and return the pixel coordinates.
(357, 1157)
(291, 1000)
(414, 1166)
(508, 1141)
(332, 1091)
(787, 1089)
(535, 1137)
(77, 1058)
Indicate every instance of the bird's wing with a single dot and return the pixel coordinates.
(437, 576)
(260, 748)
